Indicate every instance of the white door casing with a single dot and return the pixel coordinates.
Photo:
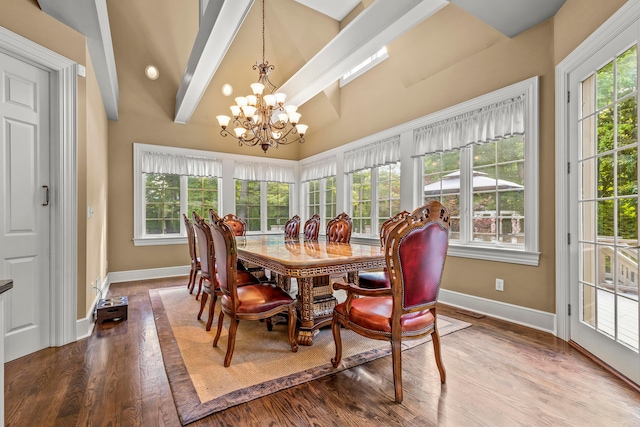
(62, 179)
(24, 205)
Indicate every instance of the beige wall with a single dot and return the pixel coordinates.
(451, 58)
(96, 187)
(25, 18)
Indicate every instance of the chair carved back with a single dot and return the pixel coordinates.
(388, 225)
(205, 247)
(339, 229)
(191, 239)
(312, 228)
(415, 252)
(236, 223)
(292, 227)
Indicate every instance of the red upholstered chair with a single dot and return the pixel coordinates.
(207, 269)
(292, 228)
(380, 279)
(249, 302)
(195, 261)
(312, 228)
(339, 229)
(415, 252)
(236, 223)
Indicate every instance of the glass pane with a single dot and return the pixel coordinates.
(605, 85)
(588, 305)
(605, 266)
(512, 173)
(588, 137)
(627, 121)
(605, 221)
(628, 221)
(588, 220)
(431, 163)
(484, 154)
(606, 312)
(451, 161)
(626, 71)
(628, 321)
(510, 149)
(605, 130)
(172, 226)
(627, 172)
(511, 203)
(154, 226)
(588, 270)
(452, 203)
(588, 179)
(154, 211)
(588, 91)
(605, 176)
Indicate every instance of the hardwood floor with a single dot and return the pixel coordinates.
(498, 374)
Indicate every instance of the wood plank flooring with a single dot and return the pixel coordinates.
(498, 374)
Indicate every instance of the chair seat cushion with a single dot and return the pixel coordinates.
(374, 313)
(259, 298)
(374, 279)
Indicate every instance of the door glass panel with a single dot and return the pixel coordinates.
(589, 305)
(627, 121)
(628, 222)
(605, 221)
(628, 320)
(627, 71)
(588, 179)
(605, 266)
(605, 130)
(604, 82)
(627, 175)
(606, 312)
(588, 217)
(588, 270)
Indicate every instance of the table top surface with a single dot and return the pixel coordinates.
(299, 253)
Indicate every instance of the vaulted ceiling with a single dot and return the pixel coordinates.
(311, 42)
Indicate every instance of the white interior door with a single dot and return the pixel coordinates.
(604, 204)
(24, 210)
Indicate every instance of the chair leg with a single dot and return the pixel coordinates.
(199, 286)
(203, 303)
(189, 286)
(396, 355)
(269, 324)
(292, 328)
(212, 305)
(335, 328)
(220, 319)
(435, 337)
(231, 343)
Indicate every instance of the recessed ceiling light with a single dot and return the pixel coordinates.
(152, 72)
(227, 89)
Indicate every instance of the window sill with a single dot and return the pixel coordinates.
(159, 241)
(509, 255)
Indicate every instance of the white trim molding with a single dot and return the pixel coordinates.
(151, 273)
(63, 166)
(626, 16)
(536, 319)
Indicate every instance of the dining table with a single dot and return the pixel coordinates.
(313, 264)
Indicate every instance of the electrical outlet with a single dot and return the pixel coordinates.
(499, 285)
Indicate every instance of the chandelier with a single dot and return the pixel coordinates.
(263, 119)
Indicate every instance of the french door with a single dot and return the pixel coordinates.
(603, 152)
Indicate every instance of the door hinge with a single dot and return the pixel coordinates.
(568, 167)
(568, 97)
(568, 238)
(569, 309)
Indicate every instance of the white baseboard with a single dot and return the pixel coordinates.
(151, 273)
(536, 319)
(84, 327)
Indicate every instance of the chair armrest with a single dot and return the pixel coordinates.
(353, 289)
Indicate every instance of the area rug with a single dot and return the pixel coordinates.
(262, 363)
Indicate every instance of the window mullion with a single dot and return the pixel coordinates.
(374, 199)
(184, 198)
(466, 195)
(323, 199)
(263, 206)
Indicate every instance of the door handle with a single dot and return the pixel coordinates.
(46, 195)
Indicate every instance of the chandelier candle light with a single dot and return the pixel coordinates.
(263, 119)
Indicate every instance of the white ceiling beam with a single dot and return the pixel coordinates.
(218, 27)
(91, 19)
(372, 29)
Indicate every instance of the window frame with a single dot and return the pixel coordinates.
(263, 205)
(324, 218)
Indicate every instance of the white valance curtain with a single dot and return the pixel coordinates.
(318, 169)
(180, 164)
(487, 124)
(372, 155)
(249, 171)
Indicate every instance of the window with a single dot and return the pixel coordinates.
(313, 206)
(263, 195)
(321, 199)
(480, 159)
(170, 182)
(375, 197)
(364, 66)
(329, 199)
